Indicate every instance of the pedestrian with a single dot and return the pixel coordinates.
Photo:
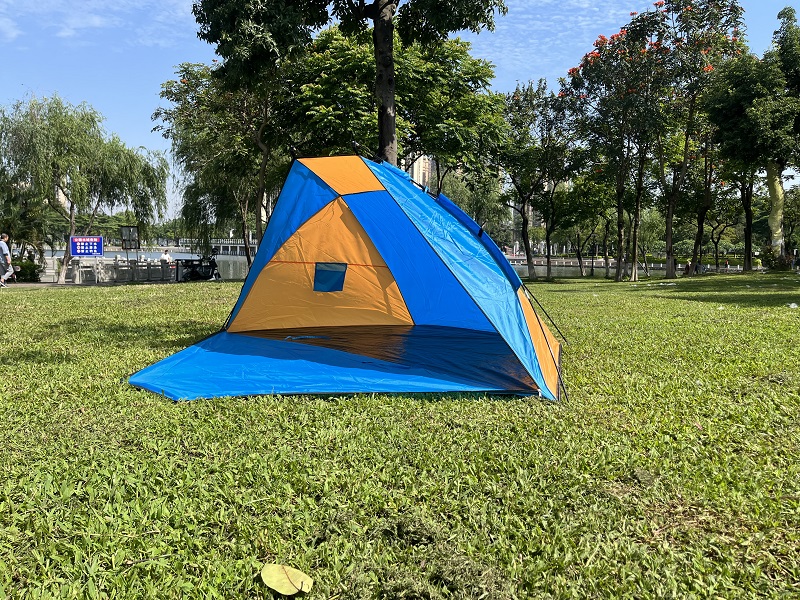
(165, 256)
(6, 270)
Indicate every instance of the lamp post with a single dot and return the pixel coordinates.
(594, 255)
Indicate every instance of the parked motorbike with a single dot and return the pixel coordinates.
(202, 269)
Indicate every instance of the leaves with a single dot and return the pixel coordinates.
(286, 580)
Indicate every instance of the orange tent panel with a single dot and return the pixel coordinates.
(283, 296)
(346, 175)
(548, 348)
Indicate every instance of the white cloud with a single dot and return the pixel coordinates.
(133, 22)
(76, 22)
(544, 38)
(8, 29)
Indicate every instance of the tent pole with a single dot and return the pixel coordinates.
(549, 318)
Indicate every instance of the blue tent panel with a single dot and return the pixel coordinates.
(231, 364)
(484, 238)
(471, 263)
(431, 292)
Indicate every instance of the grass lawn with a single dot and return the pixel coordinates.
(673, 470)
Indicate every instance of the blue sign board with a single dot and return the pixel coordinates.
(86, 245)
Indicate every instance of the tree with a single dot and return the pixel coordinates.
(538, 156)
(254, 36)
(703, 185)
(216, 133)
(478, 194)
(58, 154)
(725, 214)
(443, 94)
(737, 87)
(329, 95)
(620, 87)
(700, 34)
(778, 119)
(324, 103)
(791, 219)
(445, 110)
(755, 105)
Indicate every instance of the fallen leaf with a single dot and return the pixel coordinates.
(286, 580)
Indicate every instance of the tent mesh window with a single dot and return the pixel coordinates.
(329, 277)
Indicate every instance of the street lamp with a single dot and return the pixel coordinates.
(594, 255)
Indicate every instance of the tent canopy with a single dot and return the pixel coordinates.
(366, 283)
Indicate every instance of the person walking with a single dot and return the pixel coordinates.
(6, 270)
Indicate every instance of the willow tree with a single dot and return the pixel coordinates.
(61, 156)
(253, 36)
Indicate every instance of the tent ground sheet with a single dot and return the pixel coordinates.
(325, 360)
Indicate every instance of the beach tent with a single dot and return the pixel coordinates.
(364, 282)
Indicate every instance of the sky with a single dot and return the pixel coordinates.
(115, 54)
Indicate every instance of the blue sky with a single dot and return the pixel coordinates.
(115, 54)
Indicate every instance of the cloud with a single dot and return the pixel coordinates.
(132, 22)
(8, 29)
(76, 22)
(544, 38)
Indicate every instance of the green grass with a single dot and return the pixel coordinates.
(671, 471)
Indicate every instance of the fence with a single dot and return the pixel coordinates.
(108, 270)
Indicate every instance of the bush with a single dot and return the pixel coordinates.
(29, 271)
(781, 262)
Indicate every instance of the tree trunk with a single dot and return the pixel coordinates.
(620, 197)
(549, 254)
(261, 194)
(644, 262)
(776, 198)
(747, 204)
(383, 42)
(526, 241)
(637, 210)
(677, 186)
(670, 274)
(579, 254)
(246, 237)
(698, 238)
(620, 238)
(62, 272)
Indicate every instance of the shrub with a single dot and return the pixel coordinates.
(29, 271)
(781, 262)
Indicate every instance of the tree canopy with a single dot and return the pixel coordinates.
(255, 37)
(324, 103)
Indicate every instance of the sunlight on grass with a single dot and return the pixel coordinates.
(671, 471)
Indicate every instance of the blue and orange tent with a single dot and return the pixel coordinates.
(364, 282)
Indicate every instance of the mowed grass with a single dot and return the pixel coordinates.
(671, 471)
